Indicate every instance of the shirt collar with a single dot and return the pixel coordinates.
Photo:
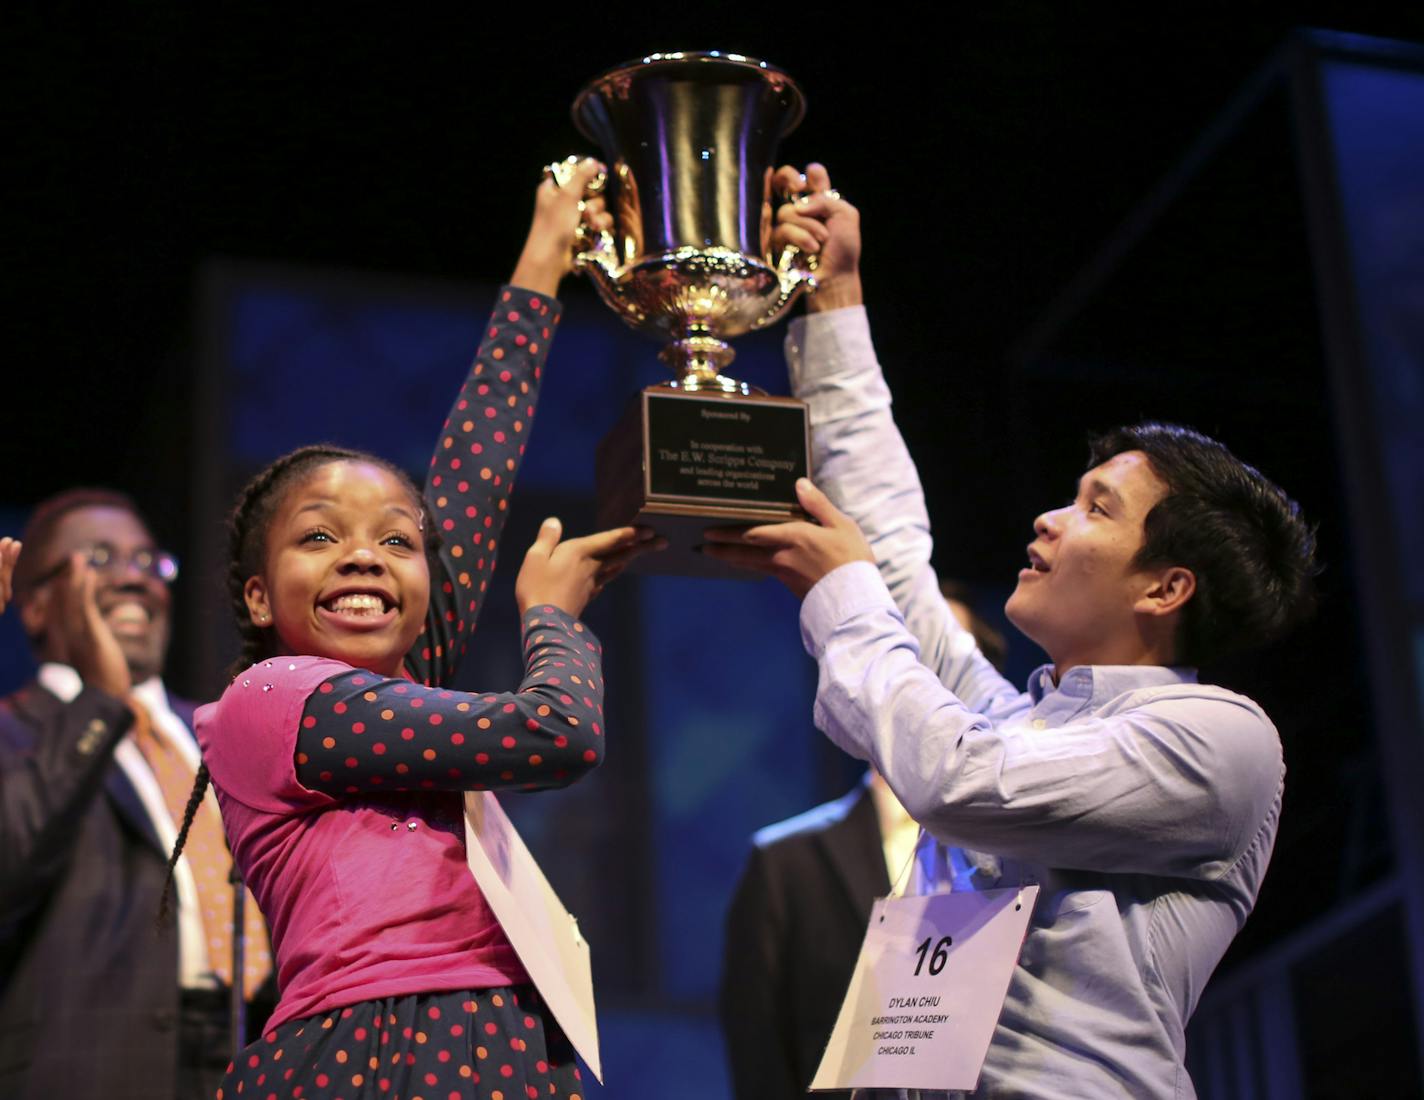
(1099, 683)
(59, 680)
(152, 695)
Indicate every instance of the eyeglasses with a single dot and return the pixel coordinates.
(105, 559)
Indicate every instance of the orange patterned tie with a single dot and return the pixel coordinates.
(208, 857)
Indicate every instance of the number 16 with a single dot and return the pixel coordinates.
(938, 959)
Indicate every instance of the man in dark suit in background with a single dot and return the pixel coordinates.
(94, 1000)
(799, 914)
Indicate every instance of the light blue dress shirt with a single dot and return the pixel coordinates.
(1143, 803)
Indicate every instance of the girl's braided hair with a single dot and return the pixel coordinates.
(247, 554)
(195, 799)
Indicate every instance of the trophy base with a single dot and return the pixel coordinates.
(681, 462)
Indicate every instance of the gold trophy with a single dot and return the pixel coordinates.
(691, 142)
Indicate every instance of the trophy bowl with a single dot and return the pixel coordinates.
(691, 139)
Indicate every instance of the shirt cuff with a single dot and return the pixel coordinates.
(840, 595)
(826, 345)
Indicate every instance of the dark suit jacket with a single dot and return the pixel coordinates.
(793, 932)
(88, 984)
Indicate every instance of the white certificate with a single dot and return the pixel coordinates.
(543, 933)
(927, 990)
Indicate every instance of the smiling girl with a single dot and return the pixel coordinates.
(339, 756)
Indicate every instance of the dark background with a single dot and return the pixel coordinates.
(991, 149)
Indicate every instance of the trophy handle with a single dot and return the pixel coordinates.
(591, 250)
(795, 272)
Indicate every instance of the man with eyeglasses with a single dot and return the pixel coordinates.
(96, 1000)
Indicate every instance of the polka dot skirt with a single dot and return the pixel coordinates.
(484, 1044)
(477, 455)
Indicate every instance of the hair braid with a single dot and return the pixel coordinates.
(195, 799)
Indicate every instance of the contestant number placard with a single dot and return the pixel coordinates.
(927, 990)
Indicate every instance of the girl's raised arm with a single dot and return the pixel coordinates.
(482, 442)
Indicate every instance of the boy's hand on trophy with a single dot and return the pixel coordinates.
(819, 222)
(794, 226)
(798, 554)
(559, 212)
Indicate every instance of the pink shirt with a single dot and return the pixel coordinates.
(365, 897)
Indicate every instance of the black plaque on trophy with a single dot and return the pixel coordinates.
(682, 462)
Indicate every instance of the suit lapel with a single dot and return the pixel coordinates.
(130, 806)
(853, 847)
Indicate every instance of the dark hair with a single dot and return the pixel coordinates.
(46, 517)
(247, 531)
(1251, 551)
(247, 554)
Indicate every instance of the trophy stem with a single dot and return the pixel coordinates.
(698, 359)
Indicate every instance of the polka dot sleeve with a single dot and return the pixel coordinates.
(472, 472)
(360, 732)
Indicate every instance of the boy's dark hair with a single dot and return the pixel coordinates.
(1251, 551)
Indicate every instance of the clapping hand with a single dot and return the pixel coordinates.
(9, 555)
(75, 630)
